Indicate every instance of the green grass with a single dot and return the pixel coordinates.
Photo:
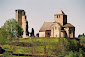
(53, 46)
(38, 39)
(6, 54)
(37, 48)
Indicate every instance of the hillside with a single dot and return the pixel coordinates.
(42, 46)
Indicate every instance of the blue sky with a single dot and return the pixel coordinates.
(40, 11)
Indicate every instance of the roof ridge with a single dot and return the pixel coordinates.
(60, 12)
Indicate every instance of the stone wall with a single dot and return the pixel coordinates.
(41, 34)
(62, 19)
(21, 19)
(70, 32)
(63, 34)
(55, 31)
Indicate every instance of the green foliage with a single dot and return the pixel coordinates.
(6, 54)
(80, 55)
(54, 46)
(73, 45)
(71, 54)
(82, 41)
(9, 30)
(3, 35)
(81, 36)
(12, 28)
(80, 51)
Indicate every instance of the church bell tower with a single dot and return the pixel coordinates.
(60, 18)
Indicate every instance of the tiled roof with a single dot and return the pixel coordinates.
(68, 25)
(46, 26)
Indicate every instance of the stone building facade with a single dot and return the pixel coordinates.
(59, 28)
(21, 19)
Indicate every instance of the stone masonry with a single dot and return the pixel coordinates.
(21, 19)
(58, 28)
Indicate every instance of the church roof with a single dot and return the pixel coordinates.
(60, 12)
(68, 25)
(46, 26)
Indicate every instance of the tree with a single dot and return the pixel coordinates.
(3, 35)
(83, 34)
(79, 36)
(32, 32)
(11, 29)
(71, 54)
(80, 55)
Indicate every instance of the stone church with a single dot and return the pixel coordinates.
(59, 28)
(21, 19)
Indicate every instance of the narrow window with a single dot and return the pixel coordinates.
(57, 16)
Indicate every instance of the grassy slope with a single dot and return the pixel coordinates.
(37, 48)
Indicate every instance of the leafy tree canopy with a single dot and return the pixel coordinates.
(10, 29)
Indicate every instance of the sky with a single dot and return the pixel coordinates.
(40, 11)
